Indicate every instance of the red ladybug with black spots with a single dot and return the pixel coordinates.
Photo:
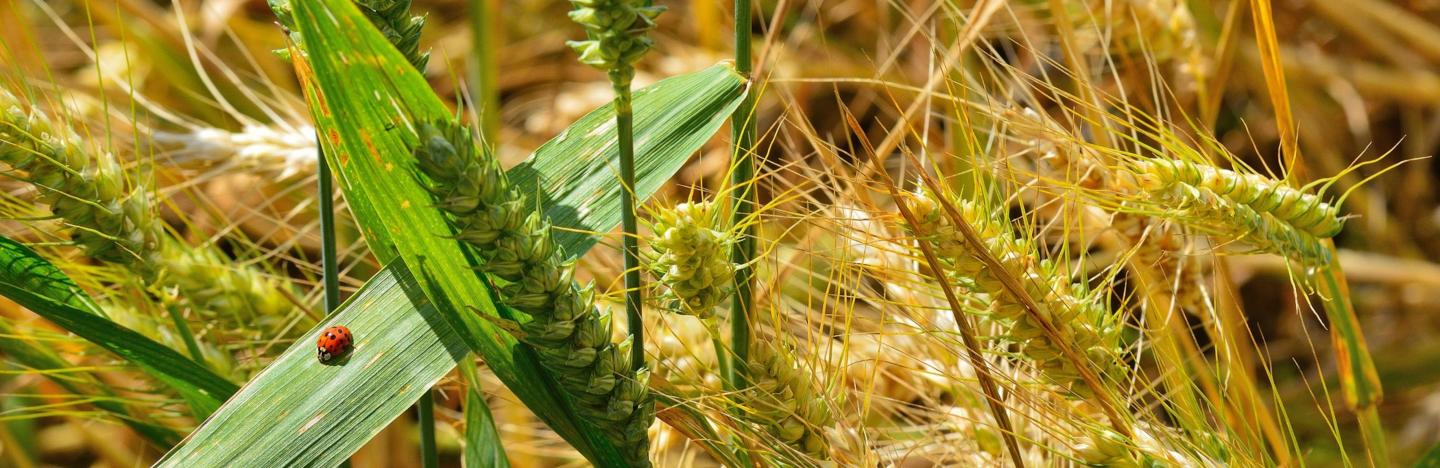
(334, 342)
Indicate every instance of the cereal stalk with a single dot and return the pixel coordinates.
(616, 31)
(742, 196)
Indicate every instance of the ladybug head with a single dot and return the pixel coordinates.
(324, 354)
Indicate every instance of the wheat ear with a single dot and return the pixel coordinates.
(1081, 320)
(113, 224)
(513, 243)
(691, 259)
(1265, 213)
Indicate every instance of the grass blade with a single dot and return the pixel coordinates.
(35, 284)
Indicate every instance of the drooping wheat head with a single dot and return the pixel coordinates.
(1267, 214)
(785, 400)
(1078, 317)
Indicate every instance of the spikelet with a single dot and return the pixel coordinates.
(233, 297)
(1081, 320)
(513, 242)
(785, 401)
(1265, 213)
(691, 259)
(616, 31)
(159, 329)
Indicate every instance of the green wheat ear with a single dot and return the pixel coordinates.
(1268, 214)
(691, 259)
(113, 223)
(88, 192)
(617, 35)
(512, 242)
(786, 402)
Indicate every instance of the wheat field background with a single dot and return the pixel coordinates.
(628, 233)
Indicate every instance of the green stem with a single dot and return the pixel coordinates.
(1360, 383)
(742, 128)
(634, 295)
(429, 458)
(722, 357)
(184, 330)
(485, 33)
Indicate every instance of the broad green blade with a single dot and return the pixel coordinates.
(27, 269)
(300, 412)
(364, 99)
(35, 284)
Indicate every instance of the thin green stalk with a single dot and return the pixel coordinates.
(616, 39)
(634, 294)
(330, 264)
(722, 358)
(184, 329)
(485, 32)
(429, 458)
(742, 128)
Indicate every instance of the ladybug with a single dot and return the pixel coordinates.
(333, 342)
